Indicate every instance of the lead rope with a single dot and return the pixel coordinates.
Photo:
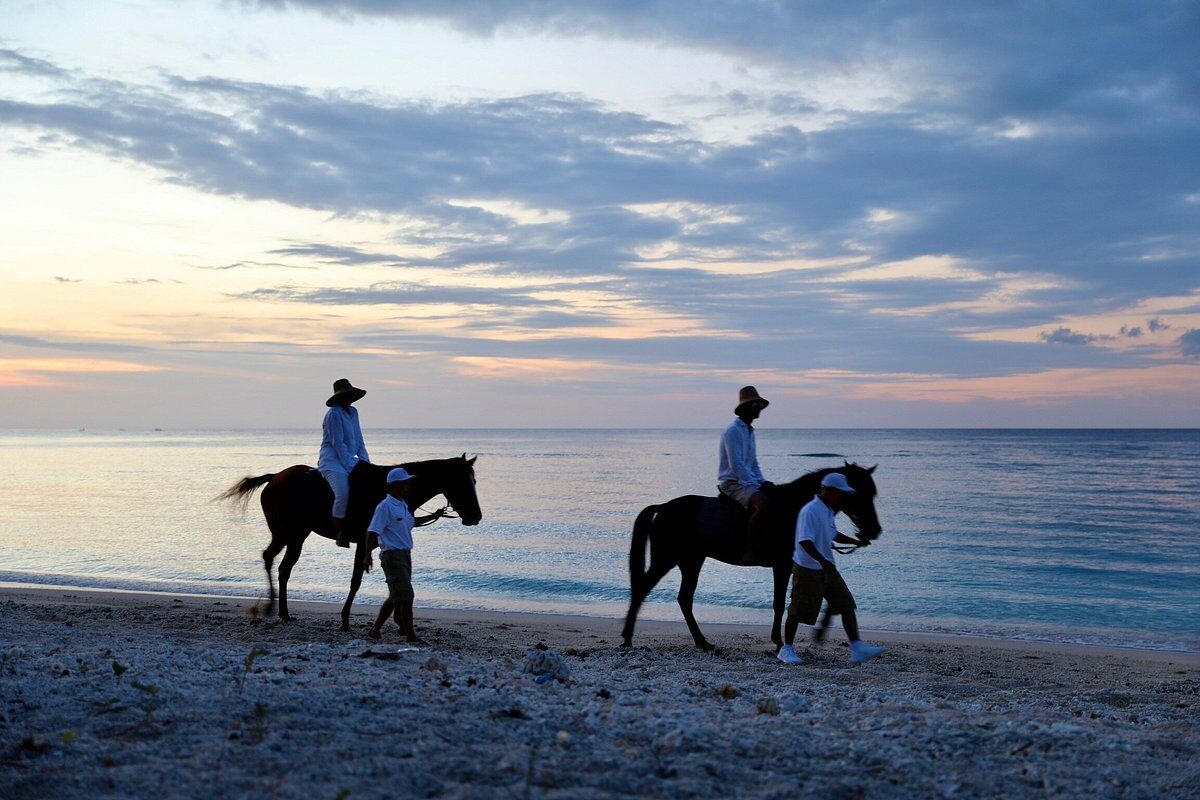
(447, 513)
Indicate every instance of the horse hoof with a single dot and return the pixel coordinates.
(345, 626)
(707, 647)
(626, 644)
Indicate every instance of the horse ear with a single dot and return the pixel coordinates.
(844, 461)
(471, 461)
(871, 468)
(463, 456)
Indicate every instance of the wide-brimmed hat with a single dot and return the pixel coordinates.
(398, 475)
(836, 480)
(747, 395)
(341, 388)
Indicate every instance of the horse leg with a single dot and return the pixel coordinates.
(268, 556)
(638, 593)
(290, 557)
(781, 584)
(687, 590)
(355, 582)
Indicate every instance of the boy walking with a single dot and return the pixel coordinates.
(815, 576)
(391, 528)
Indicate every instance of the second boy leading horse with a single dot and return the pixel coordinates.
(687, 530)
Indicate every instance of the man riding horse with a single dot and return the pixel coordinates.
(739, 477)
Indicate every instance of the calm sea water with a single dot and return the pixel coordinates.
(1069, 535)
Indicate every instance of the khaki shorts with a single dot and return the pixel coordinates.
(737, 491)
(397, 568)
(810, 587)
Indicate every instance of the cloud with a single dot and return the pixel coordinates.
(398, 294)
(1066, 336)
(1189, 343)
(61, 279)
(23, 340)
(1131, 332)
(1155, 325)
(25, 372)
(16, 62)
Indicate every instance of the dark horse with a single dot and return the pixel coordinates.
(687, 530)
(298, 501)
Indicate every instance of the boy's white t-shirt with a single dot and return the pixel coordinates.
(393, 524)
(815, 524)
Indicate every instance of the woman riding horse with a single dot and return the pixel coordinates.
(342, 448)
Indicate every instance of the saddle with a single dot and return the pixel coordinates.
(720, 519)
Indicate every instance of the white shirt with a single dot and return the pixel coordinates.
(393, 524)
(739, 456)
(342, 443)
(815, 524)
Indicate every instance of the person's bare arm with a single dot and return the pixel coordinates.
(372, 541)
(811, 549)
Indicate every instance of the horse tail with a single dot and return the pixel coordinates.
(637, 548)
(240, 493)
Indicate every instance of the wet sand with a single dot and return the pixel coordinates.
(211, 701)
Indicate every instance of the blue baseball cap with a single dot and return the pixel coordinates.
(836, 480)
(398, 475)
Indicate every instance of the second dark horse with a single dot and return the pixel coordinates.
(298, 501)
(678, 537)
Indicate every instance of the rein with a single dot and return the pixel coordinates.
(447, 512)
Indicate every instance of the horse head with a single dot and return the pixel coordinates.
(860, 506)
(460, 489)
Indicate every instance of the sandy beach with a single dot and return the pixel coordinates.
(143, 695)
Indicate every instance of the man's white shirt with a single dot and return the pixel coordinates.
(739, 456)
(815, 524)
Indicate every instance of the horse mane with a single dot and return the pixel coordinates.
(415, 467)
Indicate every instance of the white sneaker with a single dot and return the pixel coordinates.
(788, 655)
(861, 651)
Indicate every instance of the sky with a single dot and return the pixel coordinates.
(611, 214)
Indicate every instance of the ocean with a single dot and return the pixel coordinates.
(1060, 535)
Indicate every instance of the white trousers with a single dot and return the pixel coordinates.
(340, 483)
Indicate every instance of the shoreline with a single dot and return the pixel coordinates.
(594, 624)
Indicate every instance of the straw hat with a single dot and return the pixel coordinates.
(341, 388)
(749, 394)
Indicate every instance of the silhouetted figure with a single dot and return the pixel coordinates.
(391, 529)
(342, 448)
(686, 531)
(739, 477)
(815, 576)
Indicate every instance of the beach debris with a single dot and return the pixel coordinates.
(604, 694)
(33, 746)
(768, 705)
(118, 669)
(545, 665)
(248, 664)
(433, 665)
(509, 713)
(563, 739)
(387, 655)
(150, 703)
(260, 721)
(728, 692)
